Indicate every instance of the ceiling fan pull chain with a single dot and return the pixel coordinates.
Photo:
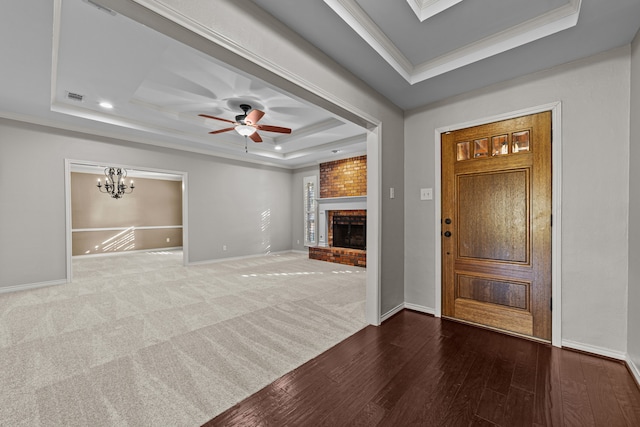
(246, 150)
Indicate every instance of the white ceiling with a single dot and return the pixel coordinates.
(412, 51)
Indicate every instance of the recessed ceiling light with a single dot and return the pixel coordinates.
(278, 147)
(335, 151)
(105, 104)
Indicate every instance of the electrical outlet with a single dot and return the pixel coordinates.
(224, 247)
(298, 242)
(168, 239)
(426, 194)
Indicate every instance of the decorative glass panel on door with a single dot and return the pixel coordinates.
(481, 147)
(463, 151)
(500, 145)
(520, 141)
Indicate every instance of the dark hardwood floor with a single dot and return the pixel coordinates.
(417, 370)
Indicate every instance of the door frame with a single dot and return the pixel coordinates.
(556, 185)
(69, 163)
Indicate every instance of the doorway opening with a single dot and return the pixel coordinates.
(151, 218)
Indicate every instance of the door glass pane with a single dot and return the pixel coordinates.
(520, 141)
(481, 147)
(463, 150)
(500, 145)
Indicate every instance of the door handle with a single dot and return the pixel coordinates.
(447, 234)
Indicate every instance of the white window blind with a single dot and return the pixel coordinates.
(310, 185)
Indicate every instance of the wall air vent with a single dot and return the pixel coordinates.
(75, 96)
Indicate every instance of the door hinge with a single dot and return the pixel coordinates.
(552, 220)
(550, 304)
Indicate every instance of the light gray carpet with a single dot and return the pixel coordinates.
(140, 340)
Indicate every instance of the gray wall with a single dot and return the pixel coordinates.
(243, 206)
(633, 336)
(595, 194)
(279, 56)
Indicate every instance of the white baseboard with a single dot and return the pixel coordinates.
(601, 351)
(633, 368)
(27, 286)
(391, 312)
(420, 308)
(409, 306)
(295, 251)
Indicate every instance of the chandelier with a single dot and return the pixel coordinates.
(114, 183)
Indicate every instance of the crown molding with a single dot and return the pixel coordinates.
(339, 144)
(551, 22)
(425, 9)
(361, 23)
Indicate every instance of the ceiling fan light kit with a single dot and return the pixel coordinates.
(245, 130)
(246, 124)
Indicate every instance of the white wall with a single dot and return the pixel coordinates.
(280, 57)
(633, 336)
(595, 194)
(243, 206)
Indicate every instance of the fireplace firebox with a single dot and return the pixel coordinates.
(350, 231)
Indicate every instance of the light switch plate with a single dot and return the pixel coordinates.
(426, 193)
(392, 193)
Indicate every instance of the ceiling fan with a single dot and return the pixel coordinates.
(247, 124)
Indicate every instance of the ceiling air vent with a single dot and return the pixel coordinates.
(75, 96)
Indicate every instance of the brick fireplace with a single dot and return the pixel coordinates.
(342, 212)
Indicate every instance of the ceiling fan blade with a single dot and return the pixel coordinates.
(215, 118)
(274, 129)
(221, 130)
(253, 117)
(255, 137)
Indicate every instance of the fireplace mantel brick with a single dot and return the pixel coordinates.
(342, 178)
(355, 257)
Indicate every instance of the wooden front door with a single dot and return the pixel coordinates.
(496, 225)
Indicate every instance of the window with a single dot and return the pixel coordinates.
(310, 185)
